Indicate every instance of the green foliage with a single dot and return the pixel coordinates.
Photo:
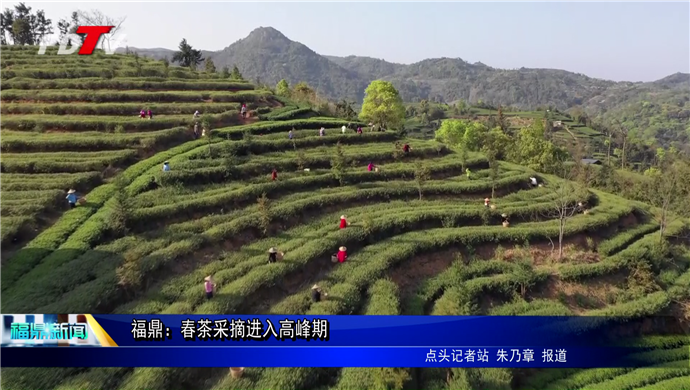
(225, 73)
(421, 176)
(343, 109)
(210, 66)
(235, 74)
(283, 89)
(463, 133)
(382, 105)
(531, 149)
(187, 56)
(338, 164)
(264, 207)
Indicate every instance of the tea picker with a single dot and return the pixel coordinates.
(316, 293)
(341, 256)
(273, 255)
(72, 198)
(209, 286)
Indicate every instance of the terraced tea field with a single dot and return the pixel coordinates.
(71, 122)
(217, 212)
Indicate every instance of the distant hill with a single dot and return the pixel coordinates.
(656, 110)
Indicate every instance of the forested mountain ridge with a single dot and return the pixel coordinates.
(653, 110)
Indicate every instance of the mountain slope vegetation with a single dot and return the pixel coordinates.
(655, 112)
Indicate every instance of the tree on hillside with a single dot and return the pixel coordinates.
(120, 210)
(303, 92)
(621, 132)
(283, 88)
(70, 27)
(187, 56)
(424, 119)
(462, 107)
(424, 106)
(382, 105)
(22, 27)
(264, 207)
(343, 109)
(421, 176)
(669, 191)
(97, 18)
(564, 198)
(580, 170)
(225, 72)
(494, 143)
(531, 149)
(236, 75)
(461, 133)
(436, 113)
(210, 66)
(501, 120)
(339, 163)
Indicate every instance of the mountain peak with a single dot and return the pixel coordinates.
(266, 34)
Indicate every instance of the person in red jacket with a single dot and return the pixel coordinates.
(342, 254)
(406, 148)
(274, 175)
(150, 114)
(343, 222)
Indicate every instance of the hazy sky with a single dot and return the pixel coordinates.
(617, 41)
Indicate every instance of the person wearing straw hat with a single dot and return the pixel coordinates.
(343, 222)
(209, 286)
(316, 293)
(272, 255)
(504, 219)
(166, 166)
(72, 198)
(344, 129)
(342, 254)
(533, 181)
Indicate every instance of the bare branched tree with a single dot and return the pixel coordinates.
(565, 196)
(98, 18)
(669, 191)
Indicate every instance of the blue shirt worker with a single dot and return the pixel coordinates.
(72, 198)
(166, 167)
